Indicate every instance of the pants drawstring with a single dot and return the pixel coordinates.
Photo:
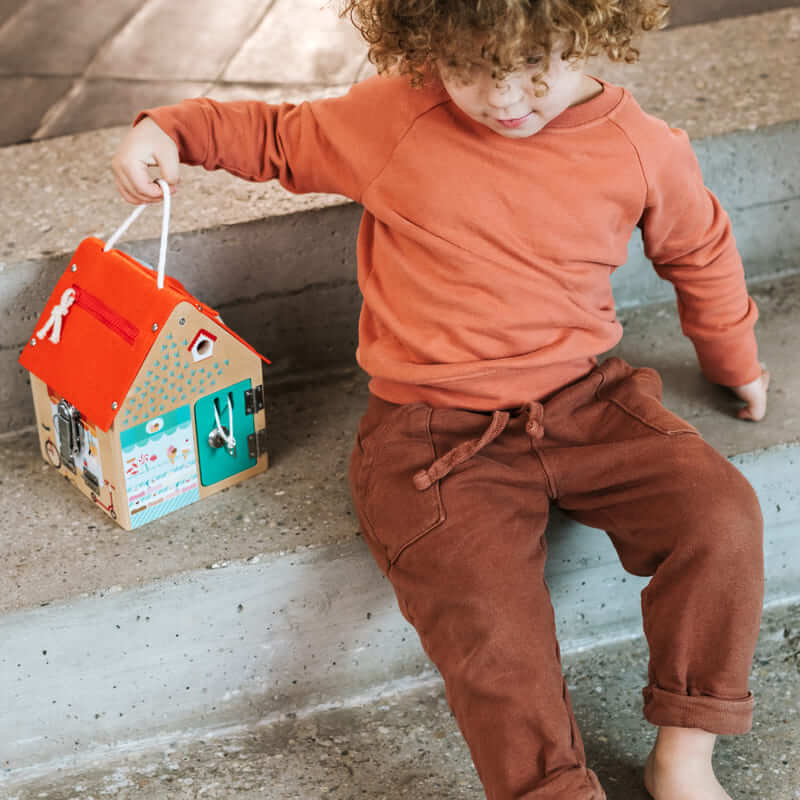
(425, 478)
(534, 427)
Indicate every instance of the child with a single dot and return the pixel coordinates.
(501, 185)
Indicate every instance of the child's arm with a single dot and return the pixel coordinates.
(687, 235)
(335, 145)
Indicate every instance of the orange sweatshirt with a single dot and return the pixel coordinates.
(484, 262)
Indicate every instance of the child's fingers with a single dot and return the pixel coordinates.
(125, 188)
(133, 181)
(132, 195)
(138, 199)
(168, 166)
(142, 183)
(127, 196)
(142, 188)
(752, 413)
(754, 395)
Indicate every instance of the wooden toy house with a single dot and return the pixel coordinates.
(144, 399)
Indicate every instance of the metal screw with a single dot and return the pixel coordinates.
(181, 321)
(33, 342)
(155, 326)
(74, 267)
(114, 405)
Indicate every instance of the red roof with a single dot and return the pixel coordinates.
(116, 315)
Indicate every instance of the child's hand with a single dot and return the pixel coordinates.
(755, 395)
(145, 146)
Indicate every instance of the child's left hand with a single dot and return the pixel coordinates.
(755, 395)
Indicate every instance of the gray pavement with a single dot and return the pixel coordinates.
(71, 67)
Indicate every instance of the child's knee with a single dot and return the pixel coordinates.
(732, 524)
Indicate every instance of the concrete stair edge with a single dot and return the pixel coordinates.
(402, 741)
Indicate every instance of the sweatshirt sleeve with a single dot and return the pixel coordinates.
(687, 235)
(335, 145)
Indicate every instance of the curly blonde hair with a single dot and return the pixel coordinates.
(420, 38)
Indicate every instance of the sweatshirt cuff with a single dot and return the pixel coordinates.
(732, 361)
(181, 122)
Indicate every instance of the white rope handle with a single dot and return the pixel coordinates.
(162, 255)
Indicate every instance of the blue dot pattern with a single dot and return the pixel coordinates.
(169, 375)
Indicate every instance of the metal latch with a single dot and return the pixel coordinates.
(218, 437)
(70, 432)
(257, 443)
(254, 400)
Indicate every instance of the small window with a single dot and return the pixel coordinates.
(202, 345)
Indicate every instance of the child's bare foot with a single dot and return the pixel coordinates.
(679, 766)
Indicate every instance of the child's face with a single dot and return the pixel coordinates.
(509, 106)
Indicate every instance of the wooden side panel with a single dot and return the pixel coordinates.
(116, 480)
(95, 474)
(192, 358)
(44, 422)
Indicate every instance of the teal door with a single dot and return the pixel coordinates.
(217, 460)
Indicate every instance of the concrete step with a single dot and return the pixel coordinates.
(302, 501)
(264, 598)
(405, 745)
(270, 260)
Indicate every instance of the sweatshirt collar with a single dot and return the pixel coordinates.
(594, 109)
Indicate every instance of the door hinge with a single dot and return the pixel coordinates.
(257, 443)
(254, 400)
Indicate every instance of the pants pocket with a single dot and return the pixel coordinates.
(637, 392)
(393, 513)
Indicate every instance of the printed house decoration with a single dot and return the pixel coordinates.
(144, 399)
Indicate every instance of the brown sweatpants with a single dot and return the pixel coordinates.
(453, 505)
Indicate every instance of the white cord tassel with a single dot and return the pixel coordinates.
(162, 254)
(57, 314)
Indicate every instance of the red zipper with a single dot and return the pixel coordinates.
(101, 312)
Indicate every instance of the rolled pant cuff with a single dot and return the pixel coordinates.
(709, 713)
